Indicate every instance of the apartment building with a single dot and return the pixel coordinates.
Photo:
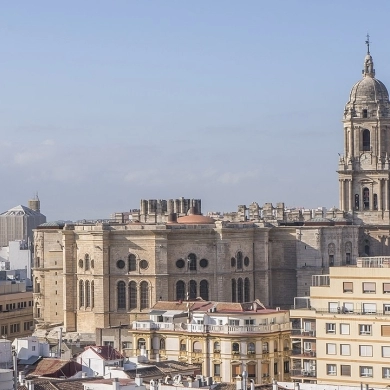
(341, 334)
(16, 310)
(223, 338)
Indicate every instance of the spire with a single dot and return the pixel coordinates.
(368, 62)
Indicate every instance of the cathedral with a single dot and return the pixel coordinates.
(109, 273)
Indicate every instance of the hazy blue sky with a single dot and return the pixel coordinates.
(107, 102)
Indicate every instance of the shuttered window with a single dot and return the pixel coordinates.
(345, 349)
(251, 368)
(236, 370)
(386, 351)
(385, 330)
(386, 288)
(331, 349)
(348, 287)
(368, 287)
(345, 370)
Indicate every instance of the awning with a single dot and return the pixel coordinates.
(157, 312)
(175, 313)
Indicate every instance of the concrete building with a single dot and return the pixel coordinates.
(222, 338)
(18, 222)
(343, 334)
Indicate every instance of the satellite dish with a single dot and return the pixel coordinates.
(177, 379)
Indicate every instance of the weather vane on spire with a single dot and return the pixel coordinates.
(368, 43)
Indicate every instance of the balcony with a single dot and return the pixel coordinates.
(303, 333)
(199, 328)
(301, 373)
(303, 353)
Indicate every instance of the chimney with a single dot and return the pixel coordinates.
(30, 385)
(115, 384)
(138, 380)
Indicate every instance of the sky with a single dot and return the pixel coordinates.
(104, 103)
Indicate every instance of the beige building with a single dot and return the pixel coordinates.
(343, 335)
(223, 338)
(16, 310)
(108, 273)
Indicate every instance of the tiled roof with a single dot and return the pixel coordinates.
(55, 368)
(62, 384)
(106, 352)
(150, 371)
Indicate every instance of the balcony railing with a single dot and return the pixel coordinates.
(303, 373)
(303, 332)
(199, 328)
(303, 353)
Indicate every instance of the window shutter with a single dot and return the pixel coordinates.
(385, 330)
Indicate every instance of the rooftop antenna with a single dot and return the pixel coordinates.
(368, 43)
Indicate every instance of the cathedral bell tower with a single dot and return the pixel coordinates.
(364, 169)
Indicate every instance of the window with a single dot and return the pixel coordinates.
(121, 295)
(333, 307)
(345, 370)
(132, 261)
(369, 287)
(369, 308)
(366, 198)
(249, 322)
(33, 348)
(180, 263)
(81, 293)
(375, 205)
(246, 261)
(120, 264)
(183, 345)
(4, 330)
(86, 260)
(204, 289)
(345, 349)
(144, 294)
(356, 201)
(330, 328)
(217, 369)
(246, 290)
(235, 348)
(143, 264)
(366, 140)
(386, 308)
(265, 347)
(348, 287)
(87, 294)
(197, 347)
(365, 329)
(233, 261)
(92, 294)
(127, 345)
(386, 288)
(286, 367)
(141, 344)
(386, 372)
(348, 258)
(203, 263)
(386, 351)
(191, 262)
(180, 290)
(217, 347)
(132, 295)
(307, 346)
(239, 290)
(331, 260)
(234, 287)
(109, 344)
(251, 348)
(331, 369)
(275, 368)
(365, 113)
(385, 330)
(239, 260)
(348, 307)
(330, 349)
(251, 369)
(193, 288)
(365, 371)
(162, 343)
(234, 322)
(365, 350)
(344, 328)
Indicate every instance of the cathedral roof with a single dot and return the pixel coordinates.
(21, 210)
(368, 89)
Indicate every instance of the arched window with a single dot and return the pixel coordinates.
(144, 287)
(92, 294)
(331, 253)
(204, 289)
(191, 262)
(375, 199)
(86, 261)
(239, 260)
(132, 262)
(366, 198)
(192, 292)
(239, 290)
(234, 288)
(87, 294)
(348, 251)
(235, 348)
(357, 202)
(162, 343)
(233, 261)
(141, 344)
(367, 249)
(132, 295)
(251, 348)
(180, 290)
(365, 113)
(246, 290)
(217, 347)
(366, 140)
(197, 346)
(121, 295)
(37, 286)
(183, 345)
(37, 262)
(81, 293)
(265, 347)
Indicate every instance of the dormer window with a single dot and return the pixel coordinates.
(365, 114)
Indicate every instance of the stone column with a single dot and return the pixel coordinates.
(342, 195)
(350, 195)
(351, 148)
(386, 194)
(380, 195)
(371, 202)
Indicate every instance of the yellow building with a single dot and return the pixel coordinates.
(342, 334)
(16, 310)
(223, 338)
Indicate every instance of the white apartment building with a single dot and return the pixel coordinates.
(341, 335)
